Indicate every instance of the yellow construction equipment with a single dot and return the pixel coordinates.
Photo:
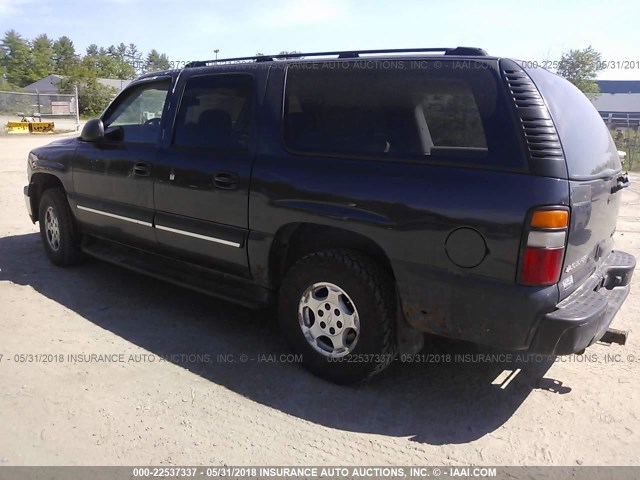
(18, 127)
(30, 127)
(41, 127)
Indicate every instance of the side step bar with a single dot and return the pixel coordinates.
(188, 275)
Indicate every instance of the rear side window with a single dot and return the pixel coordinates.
(215, 112)
(452, 115)
(588, 147)
(408, 110)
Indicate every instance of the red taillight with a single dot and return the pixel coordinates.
(544, 247)
(541, 266)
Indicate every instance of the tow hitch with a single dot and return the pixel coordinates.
(615, 336)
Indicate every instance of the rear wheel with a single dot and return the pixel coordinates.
(57, 228)
(337, 309)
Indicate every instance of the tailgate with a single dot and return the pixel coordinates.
(594, 213)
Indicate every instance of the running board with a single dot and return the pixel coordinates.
(184, 274)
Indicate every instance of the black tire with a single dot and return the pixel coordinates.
(373, 294)
(54, 200)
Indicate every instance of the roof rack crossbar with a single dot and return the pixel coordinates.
(470, 51)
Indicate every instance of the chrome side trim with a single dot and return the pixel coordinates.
(197, 235)
(161, 227)
(113, 215)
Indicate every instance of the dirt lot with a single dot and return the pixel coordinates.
(190, 410)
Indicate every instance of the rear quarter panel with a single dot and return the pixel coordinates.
(409, 209)
(593, 166)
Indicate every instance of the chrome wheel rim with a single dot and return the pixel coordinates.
(329, 319)
(52, 229)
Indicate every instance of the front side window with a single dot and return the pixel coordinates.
(215, 112)
(354, 108)
(135, 118)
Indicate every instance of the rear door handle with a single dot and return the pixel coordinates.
(226, 180)
(142, 169)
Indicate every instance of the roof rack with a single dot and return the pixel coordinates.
(466, 51)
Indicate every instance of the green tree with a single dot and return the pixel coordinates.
(23, 62)
(121, 65)
(3, 70)
(65, 56)
(92, 50)
(42, 58)
(91, 61)
(581, 68)
(93, 97)
(128, 70)
(15, 59)
(107, 63)
(133, 57)
(4, 84)
(121, 51)
(156, 61)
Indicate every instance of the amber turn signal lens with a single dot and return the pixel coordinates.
(550, 219)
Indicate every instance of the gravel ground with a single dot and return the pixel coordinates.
(160, 400)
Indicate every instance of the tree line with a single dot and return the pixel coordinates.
(24, 61)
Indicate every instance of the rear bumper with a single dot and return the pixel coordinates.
(582, 318)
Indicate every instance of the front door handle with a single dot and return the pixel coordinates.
(226, 180)
(142, 169)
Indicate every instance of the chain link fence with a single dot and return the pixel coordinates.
(625, 130)
(19, 109)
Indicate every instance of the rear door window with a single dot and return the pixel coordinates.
(215, 112)
(400, 110)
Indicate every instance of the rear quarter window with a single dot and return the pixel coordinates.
(432, 111)
(589, 150)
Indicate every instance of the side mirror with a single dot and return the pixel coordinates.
(93, 131)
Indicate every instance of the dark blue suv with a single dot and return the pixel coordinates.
(372, 196)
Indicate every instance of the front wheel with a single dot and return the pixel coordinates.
(337, 309)
(57, 228)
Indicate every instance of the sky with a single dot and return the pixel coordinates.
(536, 31)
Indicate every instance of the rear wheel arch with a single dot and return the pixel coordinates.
(294, 241)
